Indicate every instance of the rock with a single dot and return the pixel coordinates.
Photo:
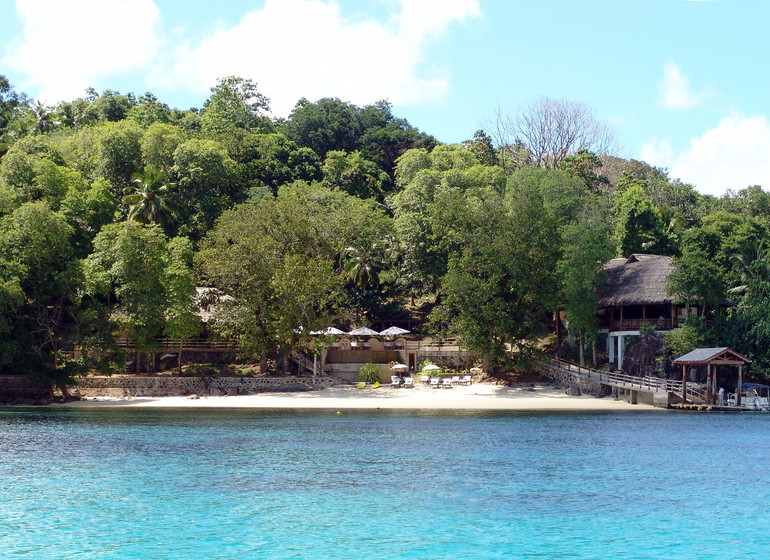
(573, 391)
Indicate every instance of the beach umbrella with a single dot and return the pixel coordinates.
(394, 331)
(363, 331)
(329, 331)
(399, 367)
(431, 367)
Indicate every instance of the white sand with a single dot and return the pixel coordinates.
(471, 397)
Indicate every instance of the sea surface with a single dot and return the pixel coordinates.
(188, 484)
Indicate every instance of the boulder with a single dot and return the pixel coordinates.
(573, 391)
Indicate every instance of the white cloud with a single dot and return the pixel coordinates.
(307, 48)
(734, 155)
(66, 46)
(657, 152)
(291, 48)
(675, 90)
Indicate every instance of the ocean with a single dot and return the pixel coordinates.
(241, 484)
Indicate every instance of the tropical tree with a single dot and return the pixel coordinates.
(128, 265)
(695, 280)
(146, 198)
(235, 103)
(364, 264)
(182, 320)
(638, 227)
(587, 247)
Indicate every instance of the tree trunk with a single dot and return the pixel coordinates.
(179, 358)
(593, 356)
(582, 346)
(138, 362)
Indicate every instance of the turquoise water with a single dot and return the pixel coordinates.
(81, 484)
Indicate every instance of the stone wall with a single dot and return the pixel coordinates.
(120, 386)
(18, 387)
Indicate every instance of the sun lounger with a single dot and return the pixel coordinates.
(435, 382)
(466, 380)
(425, 379)
(408, 382)
(455, 380)
(446, 382)
(395, 381)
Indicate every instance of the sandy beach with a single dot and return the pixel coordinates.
(471, 397)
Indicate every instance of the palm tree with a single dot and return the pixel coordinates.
(146, 198)
(752, 263)
(364, 265)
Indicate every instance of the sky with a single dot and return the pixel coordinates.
(684, 83)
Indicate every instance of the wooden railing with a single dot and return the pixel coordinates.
(173, 344)
(623, 380)
(636, 324)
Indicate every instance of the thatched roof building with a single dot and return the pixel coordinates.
(636, 280)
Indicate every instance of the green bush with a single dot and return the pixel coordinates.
(646, 328)
(369, 373)
(685, 338)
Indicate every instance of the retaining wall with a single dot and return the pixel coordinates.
(133, 386)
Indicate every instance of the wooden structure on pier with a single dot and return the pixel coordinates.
(712, 357)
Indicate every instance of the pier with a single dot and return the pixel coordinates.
(650, 390)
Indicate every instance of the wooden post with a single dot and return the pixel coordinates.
(740, 385)
(684, 383)
(714, 388)
(708, 383)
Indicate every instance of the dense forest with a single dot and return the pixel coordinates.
(113, 208)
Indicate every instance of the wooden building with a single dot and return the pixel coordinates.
(632, 295)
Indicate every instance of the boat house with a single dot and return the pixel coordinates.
(634, 294)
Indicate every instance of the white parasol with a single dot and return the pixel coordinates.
(363, 331)
(394, 331)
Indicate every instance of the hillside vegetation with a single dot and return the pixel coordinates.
(114, 207)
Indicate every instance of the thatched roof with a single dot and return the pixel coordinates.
(636, 280)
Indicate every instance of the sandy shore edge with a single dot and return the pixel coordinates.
(472, 397)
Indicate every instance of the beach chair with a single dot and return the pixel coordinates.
(466, 380)
(408, 382)
(395, 381)
(435, 382)
(425, 379)
(446, 383)
(455, 380)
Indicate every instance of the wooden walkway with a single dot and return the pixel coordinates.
(568, 372)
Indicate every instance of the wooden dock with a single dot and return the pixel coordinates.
(658, 391)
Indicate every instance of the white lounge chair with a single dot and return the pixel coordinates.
(425, 379)
(395, 381)
(455, 380)
(466, 380)
(408, 382)
(435, 382)
(446, 382)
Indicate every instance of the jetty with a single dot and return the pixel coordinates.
(663, 393)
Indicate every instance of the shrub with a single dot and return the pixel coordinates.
(369, 373)
(646, 328)
(685, 338)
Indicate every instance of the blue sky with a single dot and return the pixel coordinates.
(683, 83)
